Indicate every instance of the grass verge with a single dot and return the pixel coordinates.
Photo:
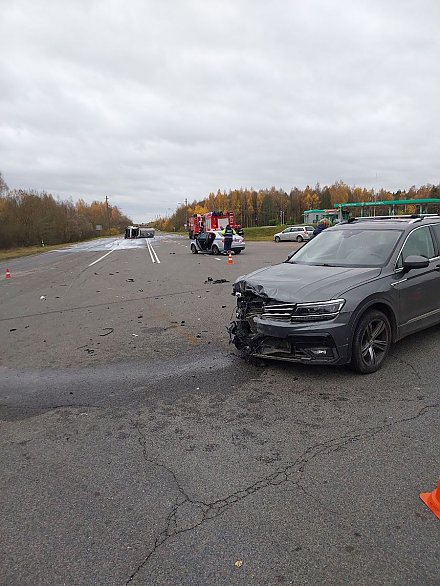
(262, 233)
(12, 253)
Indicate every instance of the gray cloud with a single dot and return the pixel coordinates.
(150, 102)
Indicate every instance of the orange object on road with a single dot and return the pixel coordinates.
(8, 274)
(432, 500)
(230, 261)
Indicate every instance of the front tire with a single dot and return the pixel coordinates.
(194, 248)
(277, 239)
(237, 251)
(371, 342)
(215, 249)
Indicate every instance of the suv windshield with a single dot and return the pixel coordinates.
(347, 247)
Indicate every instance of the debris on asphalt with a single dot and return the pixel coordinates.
(130, 280)
(216, 281)
(140, 316)
(238, 563)
(223, 306)
(43, 298)
(13, 330)
(135, 335)
(107, 331)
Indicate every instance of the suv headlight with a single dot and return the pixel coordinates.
(318, 311)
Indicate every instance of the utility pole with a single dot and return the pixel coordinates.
(186, 209)
(108, 213)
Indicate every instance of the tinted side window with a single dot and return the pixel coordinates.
(436, 228)
(418, 243)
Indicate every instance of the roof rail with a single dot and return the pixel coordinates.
(402, 217)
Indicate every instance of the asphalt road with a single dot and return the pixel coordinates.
(139, 448)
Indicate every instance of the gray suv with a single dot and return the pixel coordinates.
(345, 296)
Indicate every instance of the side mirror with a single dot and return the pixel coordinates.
(415, 262)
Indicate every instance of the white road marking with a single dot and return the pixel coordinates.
(95, 261)
(149, 250)
(153, 253)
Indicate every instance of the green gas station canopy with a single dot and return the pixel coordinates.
(392, 202)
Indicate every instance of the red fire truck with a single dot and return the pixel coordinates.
(212, 221)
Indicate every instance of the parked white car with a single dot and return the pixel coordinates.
(213, 242)
(294, 233)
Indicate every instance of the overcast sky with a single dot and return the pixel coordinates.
(154, 101)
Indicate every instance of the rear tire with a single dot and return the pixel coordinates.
(277, 239)
(236, 251)
(215, 249)
(194, 248)
(371, 342)
(299, 238)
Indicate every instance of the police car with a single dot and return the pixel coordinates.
(213, 242)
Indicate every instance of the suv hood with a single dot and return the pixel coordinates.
(303, 283)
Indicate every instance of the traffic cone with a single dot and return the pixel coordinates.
(230, 261)
(432, 500)
(8, 274)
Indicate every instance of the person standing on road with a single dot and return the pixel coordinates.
(228, 234)
(323, 224)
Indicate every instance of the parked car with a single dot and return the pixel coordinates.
(294, 233)
(212, 242)
(346, 297)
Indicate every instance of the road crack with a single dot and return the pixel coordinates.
(188, 514)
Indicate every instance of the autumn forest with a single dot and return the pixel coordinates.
(267, 207)
(29, 217)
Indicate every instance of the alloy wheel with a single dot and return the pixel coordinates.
(371, 342)
(375, 342)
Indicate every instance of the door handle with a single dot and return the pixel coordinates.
(397, 282)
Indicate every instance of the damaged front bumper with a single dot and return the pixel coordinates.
(323, 342)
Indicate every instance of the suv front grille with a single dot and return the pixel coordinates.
(280, 311)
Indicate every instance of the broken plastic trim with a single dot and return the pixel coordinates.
(299, 348)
